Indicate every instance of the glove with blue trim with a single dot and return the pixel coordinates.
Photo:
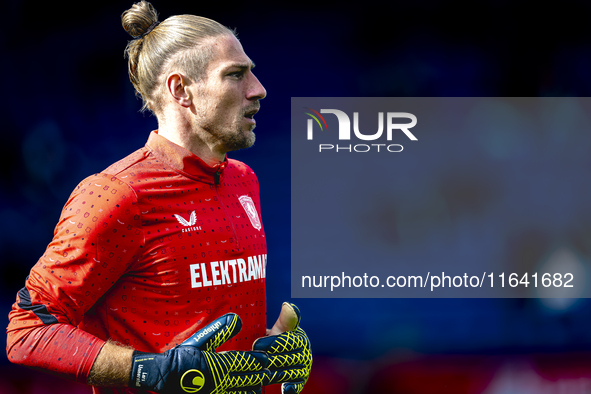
(288, 349)
(194, 366)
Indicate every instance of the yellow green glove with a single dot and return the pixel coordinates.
(289, 353)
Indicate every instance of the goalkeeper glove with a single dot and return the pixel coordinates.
(290, 356)
(194, 366)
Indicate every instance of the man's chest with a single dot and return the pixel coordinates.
(204, 255)
(200, 234)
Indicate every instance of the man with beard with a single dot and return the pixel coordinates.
(160, 259)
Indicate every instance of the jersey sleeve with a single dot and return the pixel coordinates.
(97, 238)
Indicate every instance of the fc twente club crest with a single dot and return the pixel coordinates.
(251, 211)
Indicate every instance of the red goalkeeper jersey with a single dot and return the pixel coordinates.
(146, 253)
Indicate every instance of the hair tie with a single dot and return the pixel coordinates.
(152, 26)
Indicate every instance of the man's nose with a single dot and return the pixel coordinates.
(256, 90)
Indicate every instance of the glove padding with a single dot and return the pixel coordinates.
(290, 356)
(194, 366)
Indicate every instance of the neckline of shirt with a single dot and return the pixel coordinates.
(183, 160)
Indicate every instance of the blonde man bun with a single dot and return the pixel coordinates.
(137, 20)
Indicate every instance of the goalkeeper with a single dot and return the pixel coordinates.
(150, 252)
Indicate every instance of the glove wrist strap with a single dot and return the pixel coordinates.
(145, 370)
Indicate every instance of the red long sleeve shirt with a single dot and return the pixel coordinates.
(146, 253)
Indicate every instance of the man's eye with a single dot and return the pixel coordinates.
(236, 74)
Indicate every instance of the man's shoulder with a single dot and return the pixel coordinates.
(102, 188)
(239, 167)
(127, 162)
(112, 180)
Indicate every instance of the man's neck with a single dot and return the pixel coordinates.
(181, 134)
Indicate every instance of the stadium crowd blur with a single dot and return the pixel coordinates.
(69, 111)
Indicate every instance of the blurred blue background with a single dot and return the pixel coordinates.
(69, 110)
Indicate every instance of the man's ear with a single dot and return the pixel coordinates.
(176, 85)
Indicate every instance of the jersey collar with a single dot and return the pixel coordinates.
(184, 161)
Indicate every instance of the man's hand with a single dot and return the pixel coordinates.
(194, 366)
(290, 357)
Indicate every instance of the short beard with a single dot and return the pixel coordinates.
(229, 138)
(239, 140)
